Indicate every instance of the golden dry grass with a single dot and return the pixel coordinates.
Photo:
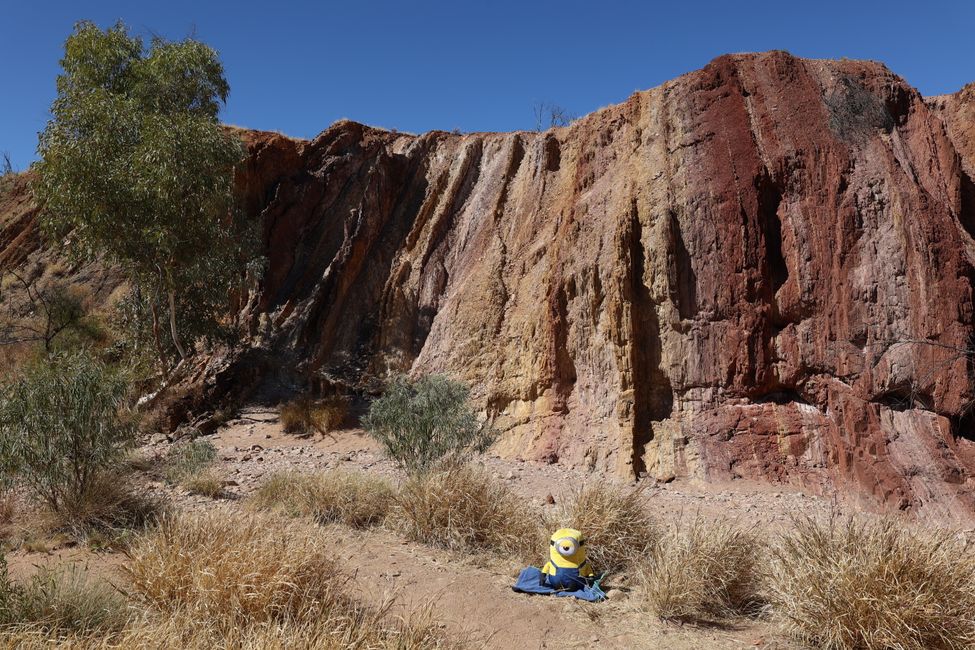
(232, 570)
(848, 583)
(463, 508)
(64, 601)
(232, 581)
(254, 581)
(206, 482)
(356, 499)
(703, 570)
(616, 523)
(111, 503)
(368, 630)
(304, 415)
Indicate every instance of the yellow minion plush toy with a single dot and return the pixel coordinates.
(567, 567)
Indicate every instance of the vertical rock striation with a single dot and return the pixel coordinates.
(762, 269)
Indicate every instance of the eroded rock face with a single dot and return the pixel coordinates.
(762, 269)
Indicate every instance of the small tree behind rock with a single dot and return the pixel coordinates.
(423, 422)
(61, 427)
(136, 169)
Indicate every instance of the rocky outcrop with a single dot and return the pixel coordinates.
(759, 270)
(32, 269)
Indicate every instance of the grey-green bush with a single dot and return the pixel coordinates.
(61, 426)
(420, 423)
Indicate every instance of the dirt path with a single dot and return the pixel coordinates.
(476, 606)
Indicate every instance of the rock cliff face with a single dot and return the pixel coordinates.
(763, 269)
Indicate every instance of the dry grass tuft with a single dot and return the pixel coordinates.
(111, 503)
(190, 465)
(207, 482)
(355, 627)
(352, 498)
(874, 584)
(304, 416)
(463, 508)
(616, 523)
(57, 602)
(188, 458)
(231, 571)
(211, 581)
(253, 582)
(701, 571)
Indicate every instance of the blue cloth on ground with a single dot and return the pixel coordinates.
(533, 581)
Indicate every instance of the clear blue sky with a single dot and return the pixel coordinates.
(416, 65)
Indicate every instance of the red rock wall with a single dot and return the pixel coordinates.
(759, 270)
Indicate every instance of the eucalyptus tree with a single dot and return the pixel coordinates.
(136, 168)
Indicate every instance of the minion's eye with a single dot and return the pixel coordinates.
(566, 546)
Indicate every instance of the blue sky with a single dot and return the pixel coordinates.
(417, 65)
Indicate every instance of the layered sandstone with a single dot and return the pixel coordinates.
(762, 269)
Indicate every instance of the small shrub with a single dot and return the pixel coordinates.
(616, 522)
(703, 570)
(207, 482)
(352, 498)
(873, 584)
(420, 423)
(112, 504)
(855, 113)
(60, 428)
(190, 458)
(304, 416)
(463, 508)
(62, 602)
(230, 571)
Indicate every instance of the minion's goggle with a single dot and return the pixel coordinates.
(567, 546)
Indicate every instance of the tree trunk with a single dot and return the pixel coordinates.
(157, 337)
(172, 325)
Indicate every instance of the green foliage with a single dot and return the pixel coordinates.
(132, 321)
(61, 426)
(423, 422)
(135, 166)
(855, 113)
(185, 460)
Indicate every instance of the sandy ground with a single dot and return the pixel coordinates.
(253, 446)
(469, 598)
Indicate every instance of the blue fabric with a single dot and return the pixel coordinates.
(533, 581)
(565, 579)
